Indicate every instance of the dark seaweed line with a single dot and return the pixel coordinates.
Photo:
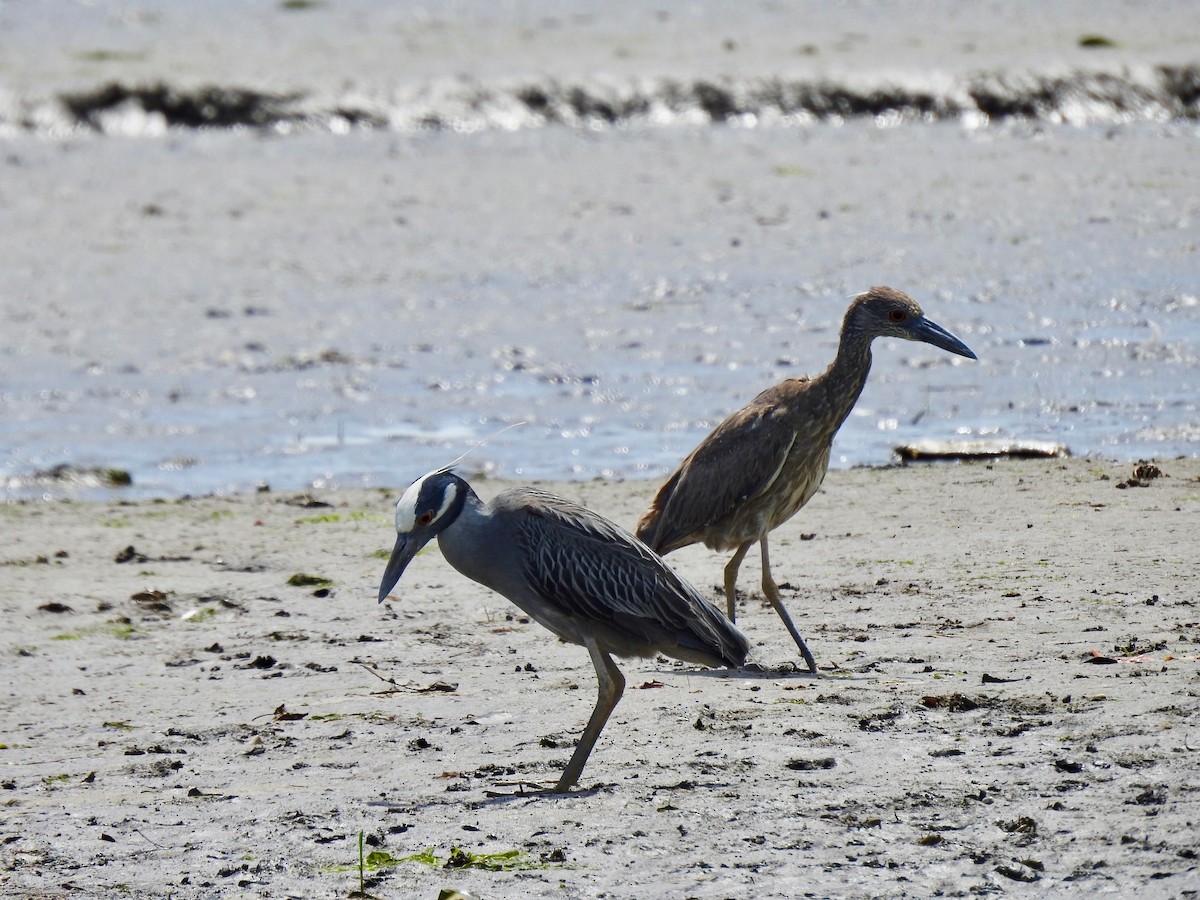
(1165, 93)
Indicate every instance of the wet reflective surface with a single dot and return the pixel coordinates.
(213, 309)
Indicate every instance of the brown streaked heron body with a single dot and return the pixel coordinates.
(765, 461)
(573, 571)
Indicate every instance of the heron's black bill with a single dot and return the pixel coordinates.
(402, 554)
(932, 333)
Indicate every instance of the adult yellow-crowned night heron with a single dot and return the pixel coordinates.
(586, 579)
(765, 461)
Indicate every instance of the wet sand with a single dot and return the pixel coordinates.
(1006, 703)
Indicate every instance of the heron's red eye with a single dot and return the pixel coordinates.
(897, 315)
(425, 518)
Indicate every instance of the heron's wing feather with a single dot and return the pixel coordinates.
(738, 462)
(591, 568)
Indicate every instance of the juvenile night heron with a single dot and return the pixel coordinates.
(586, 579)
(765, 461)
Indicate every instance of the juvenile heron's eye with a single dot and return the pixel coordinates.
(897, 315)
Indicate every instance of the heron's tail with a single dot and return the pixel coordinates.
(715, 635)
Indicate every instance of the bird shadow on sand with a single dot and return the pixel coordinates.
(790, 671)
(506, 792)
(749, 671)
(532, 791)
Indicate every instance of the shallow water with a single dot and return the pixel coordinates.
(213, 338)
(215, 309)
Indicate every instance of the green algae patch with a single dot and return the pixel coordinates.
(120, 630)
(302, 579)
(319, 520)
(503, 861)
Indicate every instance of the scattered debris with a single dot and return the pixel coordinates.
(129, 554)
(1143, 473)
(1146, 471)
(302, 579)
(953, 702)
(992, 679)
(83, 476)
(55, 607)
(923, 451)
(281, 713)
(151, 595)
(1027, 876)
(809, 765)
(1020, 825)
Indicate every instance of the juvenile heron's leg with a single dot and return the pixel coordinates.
(772, 591)
(731, 574)
(611, 684)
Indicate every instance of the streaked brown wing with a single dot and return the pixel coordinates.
(738, 462)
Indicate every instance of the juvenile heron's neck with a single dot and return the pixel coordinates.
(843, 381)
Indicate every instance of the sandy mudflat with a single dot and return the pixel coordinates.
(188, 724)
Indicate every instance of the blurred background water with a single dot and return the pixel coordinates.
(226, 264)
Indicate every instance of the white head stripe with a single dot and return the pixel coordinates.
(406, 506)
(447, 500)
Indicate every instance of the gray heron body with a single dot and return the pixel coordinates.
(574, 572)
(766, 460)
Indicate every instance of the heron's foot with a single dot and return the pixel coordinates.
(540, 789)
(794, 668)
(791, 667)
(523, 789)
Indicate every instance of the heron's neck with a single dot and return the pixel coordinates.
(464, 542)
(843, 381)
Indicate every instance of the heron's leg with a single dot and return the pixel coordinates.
(772, 591)
(731, 574)
(611, 684)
